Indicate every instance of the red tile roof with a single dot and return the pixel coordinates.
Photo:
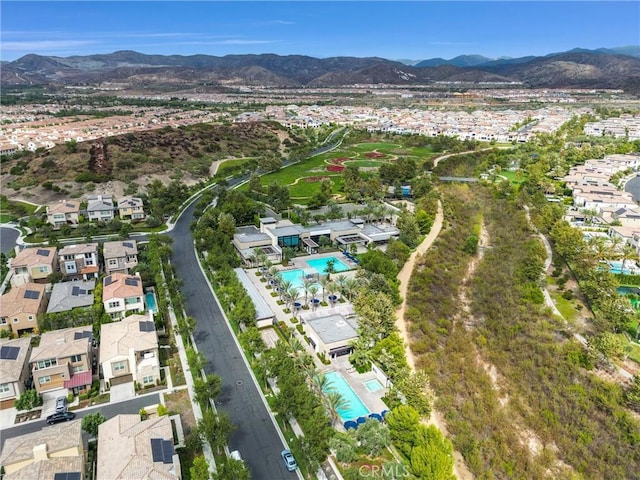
(79, 379)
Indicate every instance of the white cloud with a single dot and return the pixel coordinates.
(40, 45)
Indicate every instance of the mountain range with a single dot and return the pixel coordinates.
(578, 68)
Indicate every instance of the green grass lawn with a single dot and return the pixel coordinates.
(6, 217)
(513, 177)
(367, 147)
(635, 352)
(317, 167)
(366, 163)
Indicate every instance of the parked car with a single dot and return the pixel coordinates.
(289, 460)
(61, 404)
(60, 417)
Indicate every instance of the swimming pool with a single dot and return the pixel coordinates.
(150, 300)
(320, 265)
(630, 268)
(295, 277)
(354, 408)
(373, 385)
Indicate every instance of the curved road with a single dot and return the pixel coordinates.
(256, 437)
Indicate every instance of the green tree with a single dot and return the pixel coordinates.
(409, 229)
(432, 455)
(206, 389)
(376, 314)
(199, 470)
(403, 425)
(373, 436)
(215, 429)
(417, 392)
(608, 344)
(91, 422)
(568, 240)
(28, 400)
(231, 469)
(632, 395)
(227, 225)
(345, 446)
(255, 185)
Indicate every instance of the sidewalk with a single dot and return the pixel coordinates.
(188, 376)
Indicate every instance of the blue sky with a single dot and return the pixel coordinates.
(394, 30)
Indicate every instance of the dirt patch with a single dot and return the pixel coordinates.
(26, 416)
(179, 402)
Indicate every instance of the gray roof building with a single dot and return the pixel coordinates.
(263, 311)
(66, 296)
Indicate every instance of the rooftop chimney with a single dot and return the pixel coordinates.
(40, 452)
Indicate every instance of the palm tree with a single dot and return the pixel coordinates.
(284, 287)
(350, 287)
(306, 286)
(614, 243)
(324, 282)
(330, 267)
(341, 280)
(313, 290)
(253, 259)
(293, 295)
(273, 272)
(600, 249)
(299, 354)
(334, 401)
(332, 288)
(628, 253)
(320, 382)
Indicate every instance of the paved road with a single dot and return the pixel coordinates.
(256, 436)
(109, 410)
(8, 237)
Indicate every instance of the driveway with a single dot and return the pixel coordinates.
(124, 391)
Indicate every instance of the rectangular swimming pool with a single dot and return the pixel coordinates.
(294, 276)
(320, 265)
(354, 408)
(150, 300)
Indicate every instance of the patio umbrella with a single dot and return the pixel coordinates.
(361, 420)
(350, 424)
(377, 416)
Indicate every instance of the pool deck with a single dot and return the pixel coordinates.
(372, 400)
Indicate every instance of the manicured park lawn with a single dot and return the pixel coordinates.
(513, 176)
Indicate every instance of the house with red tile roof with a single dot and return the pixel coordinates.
(122, 294)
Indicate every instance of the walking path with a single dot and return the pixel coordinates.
(460, 470)
(405, 275)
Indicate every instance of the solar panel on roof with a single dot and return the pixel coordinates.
(42, 252)
(146, 326)
(32, 294)
(67, 476)
(108, 280)
(9, 353)
(167, 451)
(84, 334)
(82, 291)
(75, 291)
(156, 449)
(69, 205)
(132, 282)
(127, 244)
